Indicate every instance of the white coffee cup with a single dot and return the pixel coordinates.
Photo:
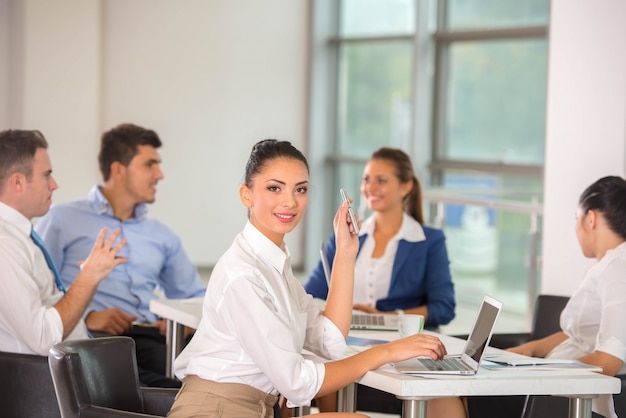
(409, 324)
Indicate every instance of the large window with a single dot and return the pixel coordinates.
(461, 86)
(494, 97)
(375, 73)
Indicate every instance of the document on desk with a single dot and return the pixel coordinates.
(193, 301)
(534, 363)
(363, 342)
(358, 344)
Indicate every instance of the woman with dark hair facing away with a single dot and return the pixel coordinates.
(592, 322)
(257, 319)
(402, 265)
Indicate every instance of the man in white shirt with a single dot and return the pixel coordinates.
(35, 313)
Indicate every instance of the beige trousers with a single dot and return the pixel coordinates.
(205, 398)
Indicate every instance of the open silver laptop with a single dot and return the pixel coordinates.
(362, 320)
(473, 352)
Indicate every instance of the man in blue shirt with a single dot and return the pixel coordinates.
(130, 167)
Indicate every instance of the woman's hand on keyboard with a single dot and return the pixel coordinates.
(365, 307)
(417, 345)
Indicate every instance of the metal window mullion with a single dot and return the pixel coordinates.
(379, 38)
(439, 95)
(421, 133)
(499, 168)
(525, 32)
(532, 209)
(337, 159)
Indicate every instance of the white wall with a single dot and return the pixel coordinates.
(60, 87)
(4, 62)
(49, 80)
(586, 124)
(211, 77)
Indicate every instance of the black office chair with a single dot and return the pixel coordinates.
(98, 378)
(546, 321)
(26, 387)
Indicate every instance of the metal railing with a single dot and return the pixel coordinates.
(439, 198)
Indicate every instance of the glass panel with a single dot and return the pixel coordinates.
(496, 102)
(374, 98)
(484, 14)
(377, 17)
(490, 249)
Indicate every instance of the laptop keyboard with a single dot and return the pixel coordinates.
(445, 364)
(368, 320)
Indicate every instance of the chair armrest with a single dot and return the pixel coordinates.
(92, 411)
(158, 401)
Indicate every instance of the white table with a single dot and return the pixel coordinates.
(179, 313)
(579, 385)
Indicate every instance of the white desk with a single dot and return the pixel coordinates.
(580, 386)
(179, 313)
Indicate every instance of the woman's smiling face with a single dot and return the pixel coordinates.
(382, 188)
(278, 197)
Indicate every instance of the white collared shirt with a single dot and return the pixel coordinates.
(372, 276)
(593, 318)
(256, 321)
(29, 323)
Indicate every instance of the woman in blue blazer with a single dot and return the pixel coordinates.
(402, 265)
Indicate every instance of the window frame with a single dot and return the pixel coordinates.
(442, 40)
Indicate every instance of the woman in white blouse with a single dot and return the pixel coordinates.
(592, 323)
(257, 319)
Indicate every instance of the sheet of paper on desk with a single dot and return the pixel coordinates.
(363, 342)
(193, 301)
(534, 363)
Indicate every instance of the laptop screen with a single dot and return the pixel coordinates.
(478, 339)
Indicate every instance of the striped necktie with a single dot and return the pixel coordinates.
(38, 242)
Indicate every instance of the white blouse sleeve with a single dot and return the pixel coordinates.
(322, 335)
(611, 337)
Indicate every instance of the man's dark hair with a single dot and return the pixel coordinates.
(17, 150)
(120, 144)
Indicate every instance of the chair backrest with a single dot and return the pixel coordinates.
(98, 371)
(26, 386)
(547, 315)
